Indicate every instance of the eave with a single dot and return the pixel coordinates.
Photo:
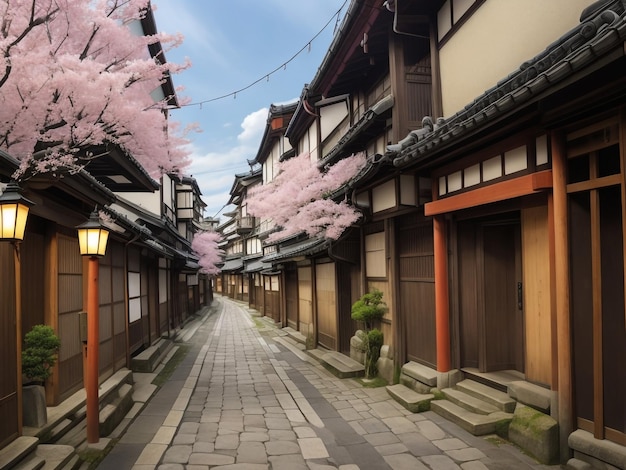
(119, 171)
(596, 43)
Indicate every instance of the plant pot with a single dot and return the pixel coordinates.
(34, 411)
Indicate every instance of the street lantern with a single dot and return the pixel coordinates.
(92, 236)
(13, 213)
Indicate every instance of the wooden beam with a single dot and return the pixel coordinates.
(509, 189)
(562, 293)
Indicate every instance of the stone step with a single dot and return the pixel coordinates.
(469, 402)
(474, 423)
(410, 399)
(537, 397)
(55, 456)
(32, 462)
(16, 451)
(295, 335)
(338, 364)
(421, 373)
(485, 393)
(113, 413)
(148, 359)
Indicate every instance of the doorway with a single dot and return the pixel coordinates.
(491, 317)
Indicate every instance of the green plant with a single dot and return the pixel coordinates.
(39, 354)
(369, 307)
(372, 353)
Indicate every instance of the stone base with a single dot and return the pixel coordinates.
(385, 364)
(34, 411)
(536, 433)
(357, 346)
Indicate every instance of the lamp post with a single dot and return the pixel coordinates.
(13, 214)
(92, 238)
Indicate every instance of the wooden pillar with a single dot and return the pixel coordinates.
(93, 346)
(442, 310)
(562, 293)
(17, 267)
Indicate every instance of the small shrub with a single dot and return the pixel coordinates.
(374, 343)
(39, 353)
(369, 307)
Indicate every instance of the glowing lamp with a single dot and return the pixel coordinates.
(92, 236)
(13, 213)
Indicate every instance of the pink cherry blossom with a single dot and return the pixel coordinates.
(74, 74)
(205, 245)
(297, 199)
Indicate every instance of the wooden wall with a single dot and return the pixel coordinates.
(70, 303)
(326, 305)
(305, 301)
(537, 296)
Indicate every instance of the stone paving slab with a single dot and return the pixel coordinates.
(248, 399)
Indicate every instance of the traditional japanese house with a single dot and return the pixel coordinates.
(357, 103)
(528, 197)
(266, 281)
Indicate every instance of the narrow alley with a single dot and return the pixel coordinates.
(243, 398)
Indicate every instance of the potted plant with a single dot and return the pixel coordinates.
(39, 355)
(368, 309)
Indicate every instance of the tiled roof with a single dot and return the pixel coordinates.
(366, 120)
(307, 247)
(574, 51)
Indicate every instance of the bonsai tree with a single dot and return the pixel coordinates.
(369, 308)
(39, 354)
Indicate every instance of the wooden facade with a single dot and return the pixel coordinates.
(510, 255)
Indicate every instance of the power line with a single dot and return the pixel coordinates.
(283, 66)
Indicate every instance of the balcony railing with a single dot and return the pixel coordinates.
(245, 224)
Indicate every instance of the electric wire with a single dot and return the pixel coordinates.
(283, 66)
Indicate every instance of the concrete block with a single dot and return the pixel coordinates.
(385, 364)
(536, 433)
(357, 346)
(531, 395)
(34, 411)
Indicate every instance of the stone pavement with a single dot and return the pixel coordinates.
(244, 399)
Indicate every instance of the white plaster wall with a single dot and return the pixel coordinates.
(150, 202)
(496, 40)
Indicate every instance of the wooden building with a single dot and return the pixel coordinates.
(528, 197)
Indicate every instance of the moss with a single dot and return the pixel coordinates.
(438, 394)
(397, 371)
(502, 428)
(171, 365)
(373, 383)
(423, 405)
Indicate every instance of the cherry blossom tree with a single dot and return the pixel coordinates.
(297, 200)
(205, 245)
(75, 74)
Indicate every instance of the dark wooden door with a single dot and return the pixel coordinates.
(502, 277)
(491, 325)
(417, 289)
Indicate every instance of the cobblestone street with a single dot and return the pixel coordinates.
(244, 398)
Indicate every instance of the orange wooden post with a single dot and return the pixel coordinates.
(93, 344)
(442, 313)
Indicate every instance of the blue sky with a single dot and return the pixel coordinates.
(232, 44)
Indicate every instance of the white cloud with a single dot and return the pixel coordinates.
(215, 171)
(253, 126)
